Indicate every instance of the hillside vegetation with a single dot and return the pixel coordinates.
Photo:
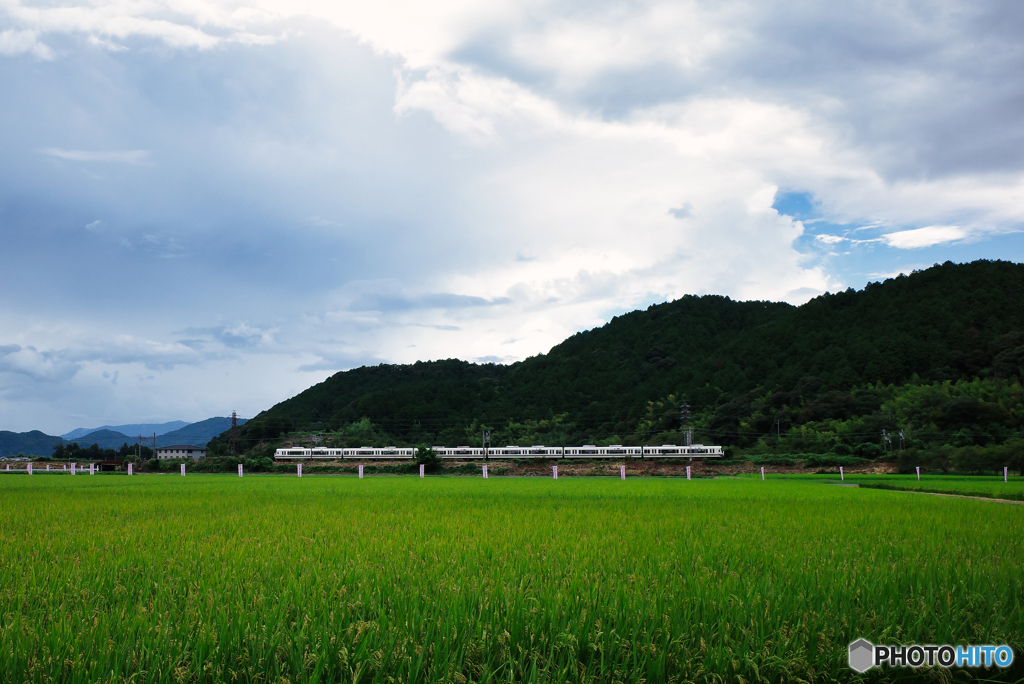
(937, 353)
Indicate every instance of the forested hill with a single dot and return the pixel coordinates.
(747, 369)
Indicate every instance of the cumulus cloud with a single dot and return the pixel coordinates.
(398, 180)
(44, 367)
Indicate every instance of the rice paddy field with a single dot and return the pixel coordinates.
(212, 578)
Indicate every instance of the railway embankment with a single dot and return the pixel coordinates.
(583, 468)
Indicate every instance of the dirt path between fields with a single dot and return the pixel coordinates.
(952, 496)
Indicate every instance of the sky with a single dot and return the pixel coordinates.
(210, 206)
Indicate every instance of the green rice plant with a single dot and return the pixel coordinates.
(215, 578)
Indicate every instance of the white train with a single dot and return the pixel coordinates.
(512, 451)
(386, 453)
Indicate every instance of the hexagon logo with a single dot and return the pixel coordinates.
(862, 655)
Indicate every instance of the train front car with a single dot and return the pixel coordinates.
(690, 452)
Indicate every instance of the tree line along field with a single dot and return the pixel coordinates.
(280, 579)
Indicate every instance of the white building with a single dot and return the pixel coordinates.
(181, 451)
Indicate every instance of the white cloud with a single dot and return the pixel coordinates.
(472, 105)
(106, 44)
(830, 239)
(925, 237)
(116, 156)
(120, 20)
(47, 366)
(13, 42)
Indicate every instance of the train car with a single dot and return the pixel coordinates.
(292, 454)
(692, 451)
(323, 453)
(459, 452)
(390, 453)
(611, 451)
(535, 451)
(541, 451)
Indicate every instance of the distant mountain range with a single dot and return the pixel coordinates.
(143, 429)
(40, 444)
(35, 442)
(197, 434)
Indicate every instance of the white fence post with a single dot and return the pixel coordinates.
(130, 469)
(47, 466)
(687, 473)
(92, 468)
(72, 468)
(622, 472)
(421, 469)
(918, 469)
(29, 468)
(8, 466)
(762, 472)
(841, 478)
(360, 471)
(299, 471)
(183, 470)
(239, 470)
(64, 466)
(485, 472)
(554, 472)
(1004, 473)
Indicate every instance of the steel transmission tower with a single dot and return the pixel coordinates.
(684, 419)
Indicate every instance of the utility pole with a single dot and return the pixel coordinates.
(903, 440)
(886, 441)
(234, 425)
(485, 441)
